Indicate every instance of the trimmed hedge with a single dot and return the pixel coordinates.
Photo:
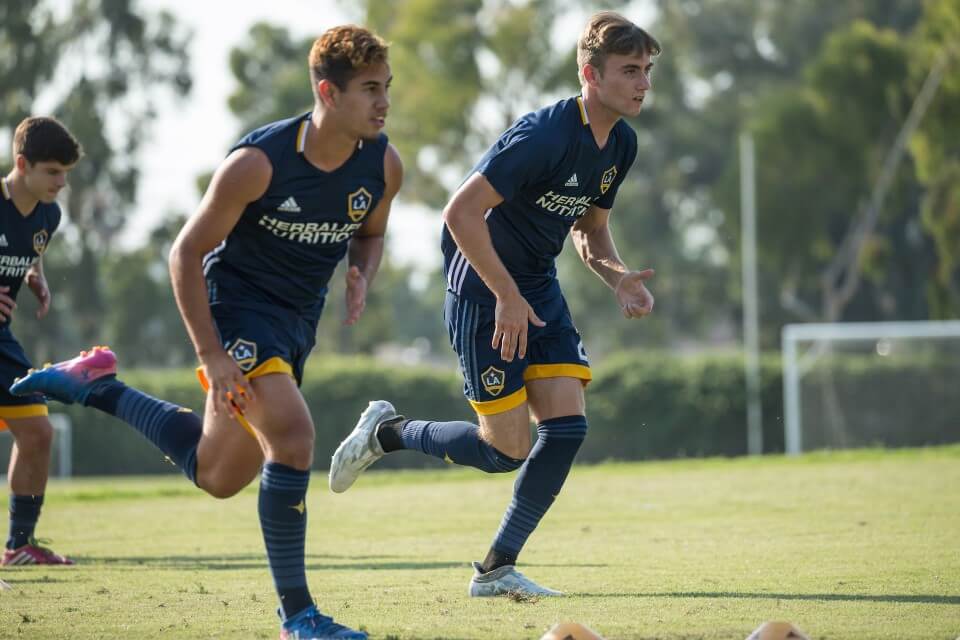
(641, 405)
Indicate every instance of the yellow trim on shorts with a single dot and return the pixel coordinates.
(23, 411)
(490, 407)
(541, 371)
(275, 364)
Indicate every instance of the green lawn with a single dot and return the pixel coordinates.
(847, 545)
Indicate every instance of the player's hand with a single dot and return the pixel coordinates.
(38, 285)
(635, 299)
(356, 294)
(7, 305)
(513, 315)
(231, 391)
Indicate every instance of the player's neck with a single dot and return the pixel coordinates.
(23, 200)
(602, 120)
(327, 146)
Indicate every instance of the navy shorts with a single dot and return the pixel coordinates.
(265, 339)
(494, 386)
(14, 364)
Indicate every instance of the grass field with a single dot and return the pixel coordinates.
(847, 545)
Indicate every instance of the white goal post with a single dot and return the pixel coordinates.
(796, 364)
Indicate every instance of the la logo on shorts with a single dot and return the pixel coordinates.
(493, 380)
(607, 178)
(358, 203)
(244, 353)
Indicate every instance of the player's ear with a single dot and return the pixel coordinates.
(591, 74)
(327, 91)
(21, 162)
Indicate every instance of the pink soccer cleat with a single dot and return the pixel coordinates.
(32, 553)
(69, 381)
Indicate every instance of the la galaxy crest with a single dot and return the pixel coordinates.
(244, 353)
(493, 380)
(607, 178)
(358, 204)
(40, 241)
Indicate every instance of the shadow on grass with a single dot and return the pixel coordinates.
(315, 562)
(828, 597)
(13, 579)
(240, 562)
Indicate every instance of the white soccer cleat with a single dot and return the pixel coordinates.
(361, 448)
(505, 580)
(4, 586)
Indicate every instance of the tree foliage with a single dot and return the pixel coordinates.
(102, 64)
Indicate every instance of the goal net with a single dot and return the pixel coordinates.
(871, 384)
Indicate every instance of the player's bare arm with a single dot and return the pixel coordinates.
(366, 246)
(464, 217)
(595, 246)
(242, 178)
(37, 282)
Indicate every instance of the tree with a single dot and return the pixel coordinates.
(103, 64)
(936, 150)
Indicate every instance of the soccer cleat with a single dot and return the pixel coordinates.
(310, 624)
(71, 380)
(4, 586)
(31, 553)
(361, 448)
(503, 581)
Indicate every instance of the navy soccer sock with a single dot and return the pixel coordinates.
(538, 483)
(283, 519)
(24, 512)
(175, 430)
(457, 442)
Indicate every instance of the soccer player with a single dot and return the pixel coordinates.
(250, 273)
(553, 170)
(44, 153)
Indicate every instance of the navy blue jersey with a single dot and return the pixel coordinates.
(286, 245)
(549, 171)
(23, 239)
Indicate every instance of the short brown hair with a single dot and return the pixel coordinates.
(609, 33)
(341, 52)
(44, 139)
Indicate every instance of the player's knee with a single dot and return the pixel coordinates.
(295, 450)
(220, 487)
(497, 461)
(223, 481)
(513, 454)
(38, 437)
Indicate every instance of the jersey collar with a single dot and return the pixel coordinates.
(302, 135)
(584, 117)
(5, 188)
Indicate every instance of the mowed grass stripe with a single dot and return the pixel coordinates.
(847, 545)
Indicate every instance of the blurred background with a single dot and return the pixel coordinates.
(852, 109)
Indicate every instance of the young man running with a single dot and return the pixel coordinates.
(250, 273)
(554, 170)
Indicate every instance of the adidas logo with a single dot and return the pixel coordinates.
(572, 182)
(3, 240)
(290, 205)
